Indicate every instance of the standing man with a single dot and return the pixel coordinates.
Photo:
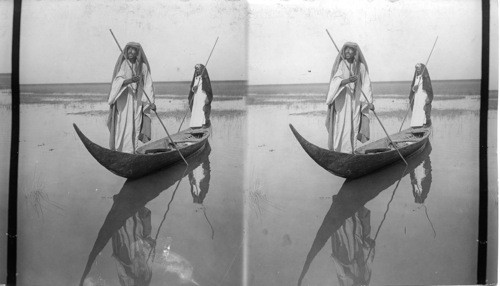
(421, 96)
(129, 120)
(200, 98)
(347, 117)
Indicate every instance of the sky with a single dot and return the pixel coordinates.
(68, 41)
(6, 17)
(262, 41)
(393, 36)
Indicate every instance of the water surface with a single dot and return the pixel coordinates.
(253, 208)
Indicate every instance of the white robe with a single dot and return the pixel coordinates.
(418, 115)
(199, 98)
(348, 107)
(129, 107)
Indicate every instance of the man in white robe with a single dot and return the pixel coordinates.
(347, 117)
(200, 98)
(421, 96)
(129, 119)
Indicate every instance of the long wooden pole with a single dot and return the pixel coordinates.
(198, 82)
(374, 113)
(139, 87)
(422, 73)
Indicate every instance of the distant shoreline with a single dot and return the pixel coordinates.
(5, 83)
(243, 81)
(7, 75)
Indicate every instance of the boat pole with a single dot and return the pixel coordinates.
(149, 100)
(198, 82)
(374, 113)
(422, 73)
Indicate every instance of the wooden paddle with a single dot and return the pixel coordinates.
(374, 113)
(198, 82)
(422, 73)
(139, 87)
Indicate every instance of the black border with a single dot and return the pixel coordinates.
(14, 150)
(482, 241)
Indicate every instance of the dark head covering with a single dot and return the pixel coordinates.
(427, 86)
(206, 84)
(358, 58)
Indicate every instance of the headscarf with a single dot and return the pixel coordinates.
(141, 58)
(427, 86)
(358, 58)
(206, 84)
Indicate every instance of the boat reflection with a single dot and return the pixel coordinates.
(128, 222)
(347, 222)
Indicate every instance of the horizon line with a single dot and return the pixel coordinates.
(259, 84)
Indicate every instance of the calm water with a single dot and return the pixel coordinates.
(65, 196)
(373, 230)
(253, 209)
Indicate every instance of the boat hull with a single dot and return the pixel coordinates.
(134, 166)
(362, 162)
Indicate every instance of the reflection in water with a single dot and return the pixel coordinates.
(199, 188)
(347, 222)
(351, 249)
(199, 181)
(421, 179)
(172, 262)
(129, 224)
(130, 244)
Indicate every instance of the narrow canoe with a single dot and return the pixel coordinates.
(150, 157)
(369, 157)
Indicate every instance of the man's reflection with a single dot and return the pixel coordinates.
(352, 249)
(421, 179)
(131, 245)
(347, 223)
(128, 223)
(199, 180)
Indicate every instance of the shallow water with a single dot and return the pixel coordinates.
(421, 235)
(65, 195)
(5, 126)
(267, 204)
